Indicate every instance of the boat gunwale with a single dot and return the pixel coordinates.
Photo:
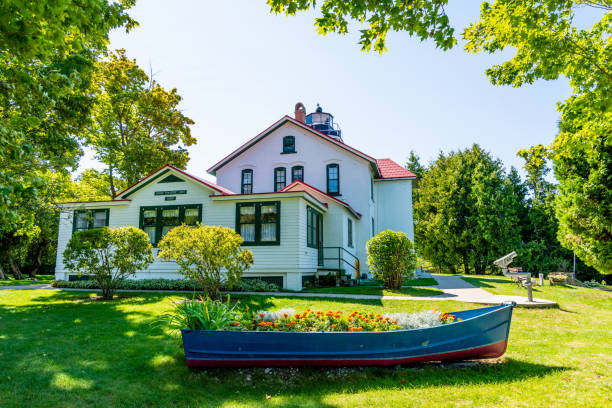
(494, 309)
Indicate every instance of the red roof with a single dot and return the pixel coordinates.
(301, 186)
(391, 170)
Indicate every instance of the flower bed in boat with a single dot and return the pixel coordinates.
(205, 314)
(330, 321)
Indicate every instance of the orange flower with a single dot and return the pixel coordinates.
(360, 328)
(459, 319)
(261, 314)
(285, 314)
(288, 324)
(333, 326)
(394, 321)
(235, 323)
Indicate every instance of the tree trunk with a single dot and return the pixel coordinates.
(466, 266)
(38, 262)
(111, 181)
(108, 293)
(14, 268)
(2, 274)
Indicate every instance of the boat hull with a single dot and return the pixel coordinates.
(482, 333)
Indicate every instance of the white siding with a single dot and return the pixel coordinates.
(274, 260)
(394, 205)
(314, 154)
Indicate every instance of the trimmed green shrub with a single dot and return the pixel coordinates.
(109, 254)
(210, 255)
(251, 285)
(392, 258)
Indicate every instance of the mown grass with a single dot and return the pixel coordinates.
(40, 279)
(62, 349)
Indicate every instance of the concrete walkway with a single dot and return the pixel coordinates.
(453, 286)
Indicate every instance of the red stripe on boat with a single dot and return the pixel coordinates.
(490, 351)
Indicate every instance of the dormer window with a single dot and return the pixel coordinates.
(297, 173)
(288, 144)
(333, 179)
(280, 178)
(246, 185)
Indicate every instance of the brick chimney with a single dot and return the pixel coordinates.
(300, 112)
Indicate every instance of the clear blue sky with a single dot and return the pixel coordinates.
(240, 68)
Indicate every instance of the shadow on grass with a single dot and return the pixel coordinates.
(63, 349)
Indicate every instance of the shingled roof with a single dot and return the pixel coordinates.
(391, 170)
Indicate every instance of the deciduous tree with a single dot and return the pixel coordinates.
(137, 125)
(47, 54)
(548, 45)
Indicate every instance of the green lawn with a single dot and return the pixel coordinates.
(40, 279)
(61, 349)
(502, 285)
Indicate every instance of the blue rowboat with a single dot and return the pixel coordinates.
(482, 333)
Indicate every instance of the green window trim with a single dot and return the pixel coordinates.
(333, 179)
(297, 173)
(258, 222)
(350, 233)
(159, 219)
(280, 178)
(288, 145)
(246, 181)
(314, 227)
(90, 215)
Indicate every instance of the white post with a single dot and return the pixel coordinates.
(541, 279)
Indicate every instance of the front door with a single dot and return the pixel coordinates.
(319, 235)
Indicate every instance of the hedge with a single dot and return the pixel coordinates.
(251, 285)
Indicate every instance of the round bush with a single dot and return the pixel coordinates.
(391, 257)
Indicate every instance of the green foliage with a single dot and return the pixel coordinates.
(414, 165)
(109, 254)
(202, 314)
(466, 211)
(47, 54)
(250, 285)
(28, 234)
(137, 126)
(94, 185)
(391, 258)
(425, 19)
(210, 255)
(548, 45)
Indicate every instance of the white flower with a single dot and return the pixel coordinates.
(271, 316)
(428, 318)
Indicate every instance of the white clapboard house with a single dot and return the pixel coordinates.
(304, 202)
